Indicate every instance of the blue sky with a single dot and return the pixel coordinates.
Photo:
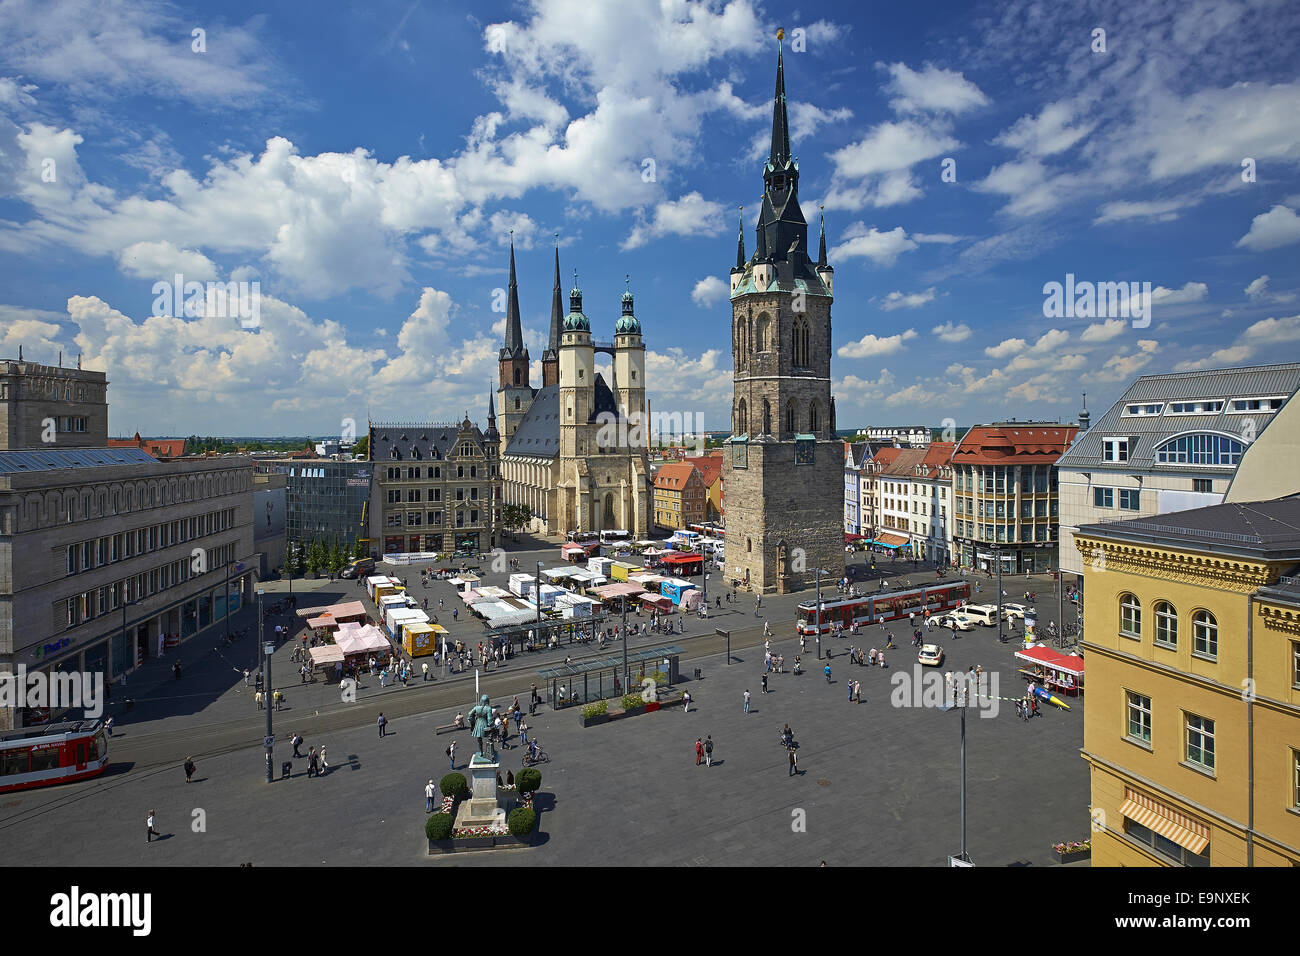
(365, 163)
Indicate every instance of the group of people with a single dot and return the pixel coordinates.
(317, 763)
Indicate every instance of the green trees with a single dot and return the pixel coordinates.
(515, 517)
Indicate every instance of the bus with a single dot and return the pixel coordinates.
(882, 607)
(55, 753)
(610, 537)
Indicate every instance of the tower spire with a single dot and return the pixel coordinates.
(821, 246)
(740, 242)
(557, 306)
(514, 334)
(780, 152)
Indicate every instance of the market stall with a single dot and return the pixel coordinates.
(1053, 669)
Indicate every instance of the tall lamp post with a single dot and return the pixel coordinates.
(624, 635)
(538, 598)
(997, 556)
(819, 572)
(964, 857)
(267, 650)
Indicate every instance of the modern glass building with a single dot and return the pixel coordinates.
(326, 498)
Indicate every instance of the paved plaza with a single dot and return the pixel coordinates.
(879, 785)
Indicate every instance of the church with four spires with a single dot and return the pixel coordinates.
(575, 450)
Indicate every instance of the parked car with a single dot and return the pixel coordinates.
(1010, 611)
(986, 614)
(358, 567)
(931, 655)
(957, 620)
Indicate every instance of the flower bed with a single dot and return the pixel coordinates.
(1072, 851)
(490, 830)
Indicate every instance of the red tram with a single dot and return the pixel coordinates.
(886, 606)
(55, 753)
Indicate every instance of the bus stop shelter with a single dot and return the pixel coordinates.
(600, 678)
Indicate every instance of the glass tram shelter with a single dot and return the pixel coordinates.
(587, 681)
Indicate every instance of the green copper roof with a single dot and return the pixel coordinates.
(628, 324)
(576, 322)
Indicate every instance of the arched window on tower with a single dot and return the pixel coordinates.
(789, 417)
(799, 343)
(517, 378)
(742, 418)
(814, 417)
(516, 404)
(764, 337)
(767, 418)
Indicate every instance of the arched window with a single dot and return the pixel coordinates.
(1130, 616)
(1200, 449)
(749, 545)
(799, 343)
(763, 342)
(789, 417)
(517, 379)
(1205, 634)
(742, 418)
(767, 418)
(814, 418)
(516, 404)
(1166, 624)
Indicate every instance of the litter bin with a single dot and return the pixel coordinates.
(698, 673)
(286, 769)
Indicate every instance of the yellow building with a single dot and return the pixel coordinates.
(1192, 727)
(679, 496)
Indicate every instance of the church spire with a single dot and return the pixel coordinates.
(821, 246)
(557, 305)
(492, 434)
(779, 154)
(514, 334)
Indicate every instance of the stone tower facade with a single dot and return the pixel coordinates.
(785, 466)
(514, 394)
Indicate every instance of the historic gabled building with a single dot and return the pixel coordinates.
(574, 450)
(435, 487)
(786, 465)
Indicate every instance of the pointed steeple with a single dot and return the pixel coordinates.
(740, 243)
(821, 245)
(760, 254)
(557, 308)
(492, 434)
(779, 154)
(514, 347)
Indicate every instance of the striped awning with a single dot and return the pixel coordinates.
(1165, 820)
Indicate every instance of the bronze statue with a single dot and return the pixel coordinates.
(481, 715)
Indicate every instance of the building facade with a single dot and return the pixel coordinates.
(1174, 442)
(1192, 729)
(436, 487)
(327, 499)
(786, 469)
(1005, 495)
(43, 406)
(905, 436)
(680, 497)
(711, 473)
(575, 451)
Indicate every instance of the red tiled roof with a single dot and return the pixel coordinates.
(158, 447)
(1023, 442)
(709, 467)
(673, 477)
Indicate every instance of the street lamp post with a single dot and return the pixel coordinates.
(948, 707)
(819, 572)
(997, 556)
(266, 687)
(538, 598)
(624, 635)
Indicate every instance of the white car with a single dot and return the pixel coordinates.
(931, 655)
(955, 620)
(1010, 611)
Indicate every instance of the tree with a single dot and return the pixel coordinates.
(337, 558)
(358, 548)
(514, 517)
(362, 448)
(315, 556)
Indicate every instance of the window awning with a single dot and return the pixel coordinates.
(891, 540)
(1168, 822)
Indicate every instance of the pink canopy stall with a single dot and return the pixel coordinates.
(1060, 671)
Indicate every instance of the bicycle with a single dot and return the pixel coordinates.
(542, 757)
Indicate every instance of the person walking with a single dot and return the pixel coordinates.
(451, 754)
(764, 683)
(151, 833)
(857, 691)
(313, 765)
(108, 726)
(708, 751)
(429, 791)
(324, 764)
(246, 676)
(278, 697)
(699, 751)
(828, 673)
(686, 700)
(296, 740)
(747, 701)
(189, 768)
(424, 667)
(850, 683)
(794, 761)
(383, 724)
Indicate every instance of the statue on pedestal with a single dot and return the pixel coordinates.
(481, 716)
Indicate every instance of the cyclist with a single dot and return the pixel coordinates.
(532, 750)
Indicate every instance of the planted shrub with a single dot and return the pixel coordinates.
(597, 709)
(529, 780)
(521, 821)
(438, 826)
(632, 701)
(454, 785)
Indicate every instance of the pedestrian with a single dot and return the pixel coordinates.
(260, 701)
(764, 683)
(708, 751)
(857, 691)
(429, 791)
(424, 667)
(828, 673)
(278, 697)
(108, 726)
(794, 761)
(746, 701)
(313, 766)
(699, 751)
(296, 740)
(246, 676)
(189, 768)
(383, 723)
(850, 683)
(324, 764)
(686, 700)
(451, 754)
(151, 832)
(383, 678)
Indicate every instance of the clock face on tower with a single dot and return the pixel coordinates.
(740, 454)
(804, 451)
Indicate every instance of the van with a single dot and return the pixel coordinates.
(986, 614)
(359, 567)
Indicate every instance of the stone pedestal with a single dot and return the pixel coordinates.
(481, 808)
